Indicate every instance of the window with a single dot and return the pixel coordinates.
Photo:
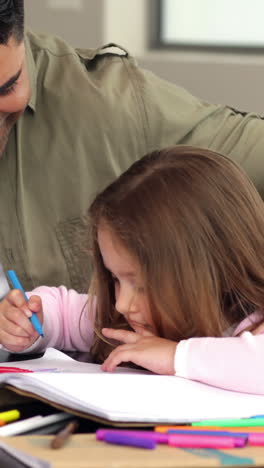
(236, 24)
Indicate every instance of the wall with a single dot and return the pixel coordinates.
(229, 79)
(80, 22)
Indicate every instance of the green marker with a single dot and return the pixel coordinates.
(243, 422)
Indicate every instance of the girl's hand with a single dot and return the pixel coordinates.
(148, 351)
(255, 329)
(258, 329)
(16, 331)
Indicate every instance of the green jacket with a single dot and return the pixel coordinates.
(91, 114)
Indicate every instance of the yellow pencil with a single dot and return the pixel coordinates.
(10, 416)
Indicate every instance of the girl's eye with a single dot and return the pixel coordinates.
(11, 89)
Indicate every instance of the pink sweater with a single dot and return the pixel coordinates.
(232, 362)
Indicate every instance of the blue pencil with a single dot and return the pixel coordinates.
(17, 285)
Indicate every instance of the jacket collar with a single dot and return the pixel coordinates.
(32, 73)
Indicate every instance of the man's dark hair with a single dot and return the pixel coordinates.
(11, 20)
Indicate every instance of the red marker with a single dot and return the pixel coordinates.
(13, 370)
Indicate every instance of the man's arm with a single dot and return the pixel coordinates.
(174, 116)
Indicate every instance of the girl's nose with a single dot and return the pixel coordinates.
(125, 303)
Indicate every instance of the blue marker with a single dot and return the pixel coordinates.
(17, 285)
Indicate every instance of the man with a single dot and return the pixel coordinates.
(70, 122)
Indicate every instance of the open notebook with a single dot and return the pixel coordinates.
(126, 396)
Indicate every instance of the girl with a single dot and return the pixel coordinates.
(178, 248)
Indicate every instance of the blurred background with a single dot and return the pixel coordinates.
(213, 48)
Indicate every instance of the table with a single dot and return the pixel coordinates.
(83, 451)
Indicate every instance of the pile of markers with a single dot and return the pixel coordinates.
(210, 434)
(12, 425)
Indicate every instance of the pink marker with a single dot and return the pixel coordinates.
(151, 435)
(197, 441)
(256, 438)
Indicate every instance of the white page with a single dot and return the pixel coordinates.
(130, 396)
(57, 361)
(146, 398)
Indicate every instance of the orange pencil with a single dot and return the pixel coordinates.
(164, 429)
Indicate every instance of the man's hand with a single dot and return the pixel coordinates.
(16, 330)
(148, 351)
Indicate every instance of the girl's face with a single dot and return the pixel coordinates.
(130, 294)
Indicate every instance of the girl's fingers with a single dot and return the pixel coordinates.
(15, 300)
(15, 297)
(254, 329)
(259, 329)
(124, 336)
(17, 321)
(35, 304)
(121, 354)
(145, 332)
(15, 343)
(15, 330)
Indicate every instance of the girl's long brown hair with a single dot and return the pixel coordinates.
(195, 223)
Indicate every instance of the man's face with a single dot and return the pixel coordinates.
(14, 87)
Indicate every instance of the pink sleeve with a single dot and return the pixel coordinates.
(233, 363)
(67, 322)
